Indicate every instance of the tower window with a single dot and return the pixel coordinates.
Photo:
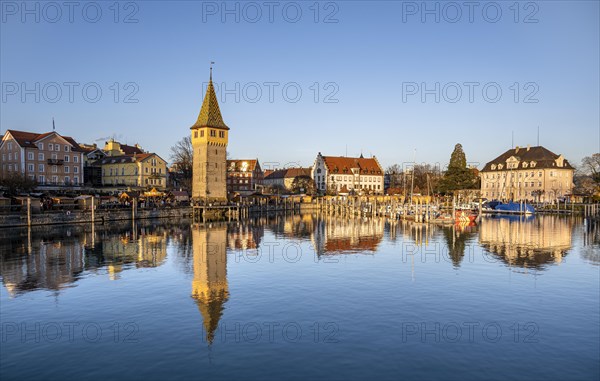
(202, 133)
(213, 133)
(221, 134)
(195, 134)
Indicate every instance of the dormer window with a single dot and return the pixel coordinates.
(525, 165)
(493, 166)
(500, 166)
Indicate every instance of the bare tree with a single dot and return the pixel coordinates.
(15, 183)
(394, 173)
(591, 166)
(182, 157)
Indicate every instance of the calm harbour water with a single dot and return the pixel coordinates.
(302, 297)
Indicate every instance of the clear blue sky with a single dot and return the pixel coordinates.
(369, 58)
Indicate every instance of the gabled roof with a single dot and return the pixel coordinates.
(542, 157)
(343, 165)
(210, 114)
(115, 160)
(130, 150)
(288, 173)
(27, 139)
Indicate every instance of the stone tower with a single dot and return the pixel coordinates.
(209, 141)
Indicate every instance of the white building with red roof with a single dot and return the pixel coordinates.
(341, 174)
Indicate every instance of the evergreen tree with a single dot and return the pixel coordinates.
(458, 176)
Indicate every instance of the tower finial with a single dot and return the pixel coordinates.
(211, 63)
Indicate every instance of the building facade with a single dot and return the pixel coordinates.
(340, 174)
(51, 159)
(243, 175)
(527, 174)
(209, 142)
(146, 170)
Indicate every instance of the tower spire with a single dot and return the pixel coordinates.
(210, 114)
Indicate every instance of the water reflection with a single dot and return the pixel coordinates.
(53, 258)
(457, 238)
(532, 242)
(56, 257)
(334, 235)
(209, 284)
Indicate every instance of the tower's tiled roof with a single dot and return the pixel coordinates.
(210, 114)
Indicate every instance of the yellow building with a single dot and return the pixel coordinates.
(209, 141)
(527, 174)
(209, 285)
(138, 170)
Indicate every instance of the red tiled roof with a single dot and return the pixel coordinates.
(342, 164)
(297, 172)
(130, 150)
(287, 173)
(26, 139)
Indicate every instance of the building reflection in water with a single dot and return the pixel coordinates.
(53, 258)
(531, 242)
(209, 285)
(343, 235)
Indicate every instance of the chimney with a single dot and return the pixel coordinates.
(528, 147)
(517, 149)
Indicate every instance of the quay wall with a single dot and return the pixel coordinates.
(108, 215)
(101, 216)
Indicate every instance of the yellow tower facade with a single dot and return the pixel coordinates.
(209, 141)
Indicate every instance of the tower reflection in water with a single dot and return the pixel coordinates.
(532, 242)
(209, 285)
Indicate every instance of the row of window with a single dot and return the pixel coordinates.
(41, 156)
(116, 171)
(527, 174)
(520, 193)
(349, 178)
(514, 165)
(213, 133)
(41, 168)
(362, 186)
(518, 185)
(55, 180)
(123, 182)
